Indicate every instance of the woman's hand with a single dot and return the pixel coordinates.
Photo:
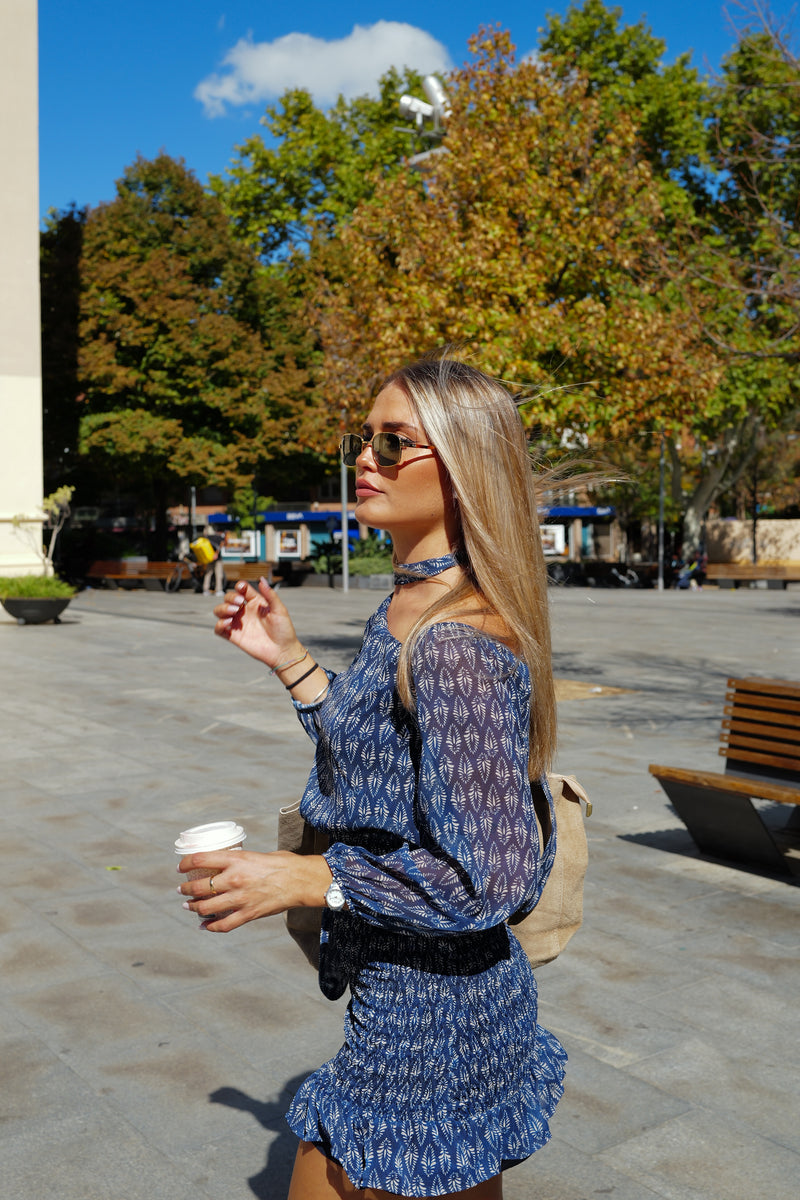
(249, 885)
(258, 622)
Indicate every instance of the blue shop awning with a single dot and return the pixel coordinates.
(313, 516)
(584, 512)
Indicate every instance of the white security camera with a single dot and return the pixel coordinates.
(415, 110)
(437, 96)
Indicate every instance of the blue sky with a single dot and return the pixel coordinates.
(192, 77)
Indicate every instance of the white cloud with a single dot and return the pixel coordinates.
(351, 66)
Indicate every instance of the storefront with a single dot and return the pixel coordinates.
(286, 535)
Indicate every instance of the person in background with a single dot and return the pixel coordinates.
(214, 576)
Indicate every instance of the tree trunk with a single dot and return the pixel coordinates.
(734, 452)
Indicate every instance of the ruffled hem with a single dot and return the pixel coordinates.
(417, 1157)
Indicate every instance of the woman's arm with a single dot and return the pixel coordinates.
(258, 622)
(249, 885)
(477, 856)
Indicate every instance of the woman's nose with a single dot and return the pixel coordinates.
(366, 446)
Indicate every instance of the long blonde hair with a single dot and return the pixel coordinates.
(474, 424)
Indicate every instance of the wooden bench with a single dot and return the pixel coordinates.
(124, 572)
(730, 575)
(760, 742)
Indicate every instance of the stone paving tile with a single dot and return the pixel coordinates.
(606, 1105)
(563, 1172)
(90, 1155)
(700, 1155)
(716, 1077)
(39, 953)
(256, 1162)
(260, 1018)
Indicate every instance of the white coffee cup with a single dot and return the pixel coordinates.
(217, 835)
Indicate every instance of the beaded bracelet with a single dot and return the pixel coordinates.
(291, 662)
(310, 671)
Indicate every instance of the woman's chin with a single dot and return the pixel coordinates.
(363, 506)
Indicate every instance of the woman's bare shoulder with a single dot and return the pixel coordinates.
(485, 621)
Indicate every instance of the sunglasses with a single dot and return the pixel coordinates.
(387, 448)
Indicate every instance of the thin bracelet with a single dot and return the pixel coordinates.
(310, 671)
(291, 662)
(318, 696)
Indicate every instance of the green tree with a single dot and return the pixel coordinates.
(61, 245)
(178, 382)
(531, 241)
(738, 263)
(624, 67)
(317, 166)
(725, 155)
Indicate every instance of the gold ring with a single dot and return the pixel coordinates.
(211, 885)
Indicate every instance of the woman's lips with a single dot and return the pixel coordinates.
(366, 489)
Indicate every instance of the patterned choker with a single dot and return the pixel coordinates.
(411, 572)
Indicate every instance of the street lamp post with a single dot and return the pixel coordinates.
(345, 517)
(661, 515)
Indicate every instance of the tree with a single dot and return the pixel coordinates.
(725, 156)
(737, 262)
(624, 69)
(61, 246)
(178, 382)
(530, 240)
(324, 163)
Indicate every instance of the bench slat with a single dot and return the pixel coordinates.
(765, 687)
(787, 714)
(780, 735)
(769, 760)
(754, 788)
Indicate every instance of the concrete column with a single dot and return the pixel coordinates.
(20, 339)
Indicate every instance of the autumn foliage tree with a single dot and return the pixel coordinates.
(178, 382)
(529, 240)
(736, 263)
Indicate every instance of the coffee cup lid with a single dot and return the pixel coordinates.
(217, 835)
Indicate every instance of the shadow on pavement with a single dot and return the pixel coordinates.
(274, 1179)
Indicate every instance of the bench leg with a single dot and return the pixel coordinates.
(725, 825)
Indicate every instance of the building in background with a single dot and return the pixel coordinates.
(20, 339)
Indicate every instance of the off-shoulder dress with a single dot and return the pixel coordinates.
(445, 1078)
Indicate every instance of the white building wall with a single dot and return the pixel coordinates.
(20, 339)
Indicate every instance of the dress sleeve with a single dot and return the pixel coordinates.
(308, 714)
(477, 855)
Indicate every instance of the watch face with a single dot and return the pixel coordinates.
(335, 897)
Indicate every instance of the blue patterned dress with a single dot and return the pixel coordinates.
(444, 1078)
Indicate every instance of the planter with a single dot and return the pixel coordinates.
(32, 610)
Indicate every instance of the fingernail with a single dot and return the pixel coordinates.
(185, 904)
(178, 889)
(226, 622)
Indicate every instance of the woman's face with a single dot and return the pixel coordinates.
(411, 500)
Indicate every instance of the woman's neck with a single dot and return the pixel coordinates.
(411, 550)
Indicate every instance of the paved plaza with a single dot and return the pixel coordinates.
(142, 1059)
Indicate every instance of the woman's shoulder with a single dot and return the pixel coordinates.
(477, 641)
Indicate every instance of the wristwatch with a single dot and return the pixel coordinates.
(335, 897)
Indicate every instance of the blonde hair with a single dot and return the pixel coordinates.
(474, 424)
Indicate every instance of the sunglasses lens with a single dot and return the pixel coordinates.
(387, 449)
(351, 448)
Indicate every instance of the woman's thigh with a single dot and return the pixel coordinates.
(316, 1177)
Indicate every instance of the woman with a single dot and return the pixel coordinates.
(424, 748)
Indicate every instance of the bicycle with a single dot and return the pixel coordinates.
(185, 568)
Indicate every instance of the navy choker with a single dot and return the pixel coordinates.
(411, 572)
